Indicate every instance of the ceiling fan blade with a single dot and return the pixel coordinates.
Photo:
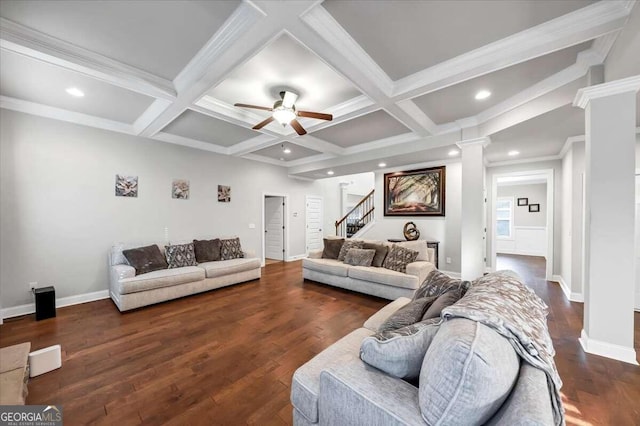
(263, 123)
(317, 115)
(298, 127)
(288, 99)
(253, 106)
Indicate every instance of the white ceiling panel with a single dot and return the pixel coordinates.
(276, 152)
(200, 127)
(539, 137)
(35, 81)
(405, 37)
(285, 64)
(456, 102)
(367, 128)
(156, 36)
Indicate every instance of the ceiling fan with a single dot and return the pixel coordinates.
(284, 112)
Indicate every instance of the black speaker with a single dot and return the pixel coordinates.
(45, 303)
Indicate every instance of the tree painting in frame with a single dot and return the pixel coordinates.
(415, 193)
(224, 194)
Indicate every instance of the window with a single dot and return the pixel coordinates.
(504, 217)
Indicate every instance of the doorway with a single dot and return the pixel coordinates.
(275, 235)
(314, 218)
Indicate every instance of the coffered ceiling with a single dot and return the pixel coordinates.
(400, 78)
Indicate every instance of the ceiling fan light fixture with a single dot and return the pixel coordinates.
(283, 115)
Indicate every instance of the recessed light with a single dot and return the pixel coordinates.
(382, 164)
(453, 153)
(74, 91)
(281, 159)
(513, 153)
(287, 151)
(482, 94)
(330, 172)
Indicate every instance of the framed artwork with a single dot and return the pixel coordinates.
(523, 201)
(180, 189)
(534, 208)
(415, 192)
(224, 194)
(126, 186)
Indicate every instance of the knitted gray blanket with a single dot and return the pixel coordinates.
(501, 301)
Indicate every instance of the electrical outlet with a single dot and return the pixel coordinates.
(448, 260)
(32, 286)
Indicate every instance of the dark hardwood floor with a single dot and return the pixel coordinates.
(226, 357)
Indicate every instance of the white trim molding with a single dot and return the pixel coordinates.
(584, 95)
(484, 141)
(608, 350)
(571, 296)
(29, 308)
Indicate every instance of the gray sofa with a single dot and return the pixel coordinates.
(337, 388)
(131, 291)
(380, 282)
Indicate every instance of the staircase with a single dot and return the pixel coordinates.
(357, 218)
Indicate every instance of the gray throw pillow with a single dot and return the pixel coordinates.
(400, 352)
(207, 250)
(359, 257)
(332, 248)
(438, 283)
(145, 259)
(180, 255)
(398, 258)
(467, 374)
(348, 245)
(444, 300)
(381, 253)
(231, 249)
(410, 313)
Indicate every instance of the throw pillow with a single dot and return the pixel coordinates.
(359, 257)
(419, 245)
(444, 300)
(381, 253)
(398, 258)
(348, 245)
(207, 250)
(332, 248)
(180, 255)
(399, 353)
(145, 259)
(467, 374)
(410, 313)
(231, 249)
(438, 283)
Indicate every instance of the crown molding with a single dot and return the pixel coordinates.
(484, 141)
(311, 159)
(586, 94)
(241, 20)
(583, 24)
(383, 143)
(191, 143)
(263, 159)
(321, 21)
(412, 110)
(254, 144)
(524, 161)
(156, 108)
(34, 44)
(64, 115)
(569, 143)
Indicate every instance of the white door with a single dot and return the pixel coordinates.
(314, 220)
(638, 242)
(274, 228)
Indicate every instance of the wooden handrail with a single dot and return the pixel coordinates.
(338, 222)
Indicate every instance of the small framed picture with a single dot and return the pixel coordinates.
(534, 208)
(224, 194)
(523, 201)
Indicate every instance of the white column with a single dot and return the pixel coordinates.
(472, 217)
(609, 223)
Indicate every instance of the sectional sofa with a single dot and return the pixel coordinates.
(130, 291)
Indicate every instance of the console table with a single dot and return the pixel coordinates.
(430, 244)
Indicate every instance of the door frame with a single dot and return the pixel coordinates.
(285, 241)
(548, 174)
(306, 201)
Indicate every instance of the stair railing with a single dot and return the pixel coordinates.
(356, 218)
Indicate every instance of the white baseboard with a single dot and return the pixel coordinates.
(296, 257)
(488, 269)
(608, 350)
(451, 274)
(29, 308)
(571, 296)
(523, 253)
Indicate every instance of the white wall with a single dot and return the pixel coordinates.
(556, 165)
(59, 215)
(536, 193)
(357, 185)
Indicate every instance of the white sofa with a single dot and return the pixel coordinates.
(379, 282)
(131, 291)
